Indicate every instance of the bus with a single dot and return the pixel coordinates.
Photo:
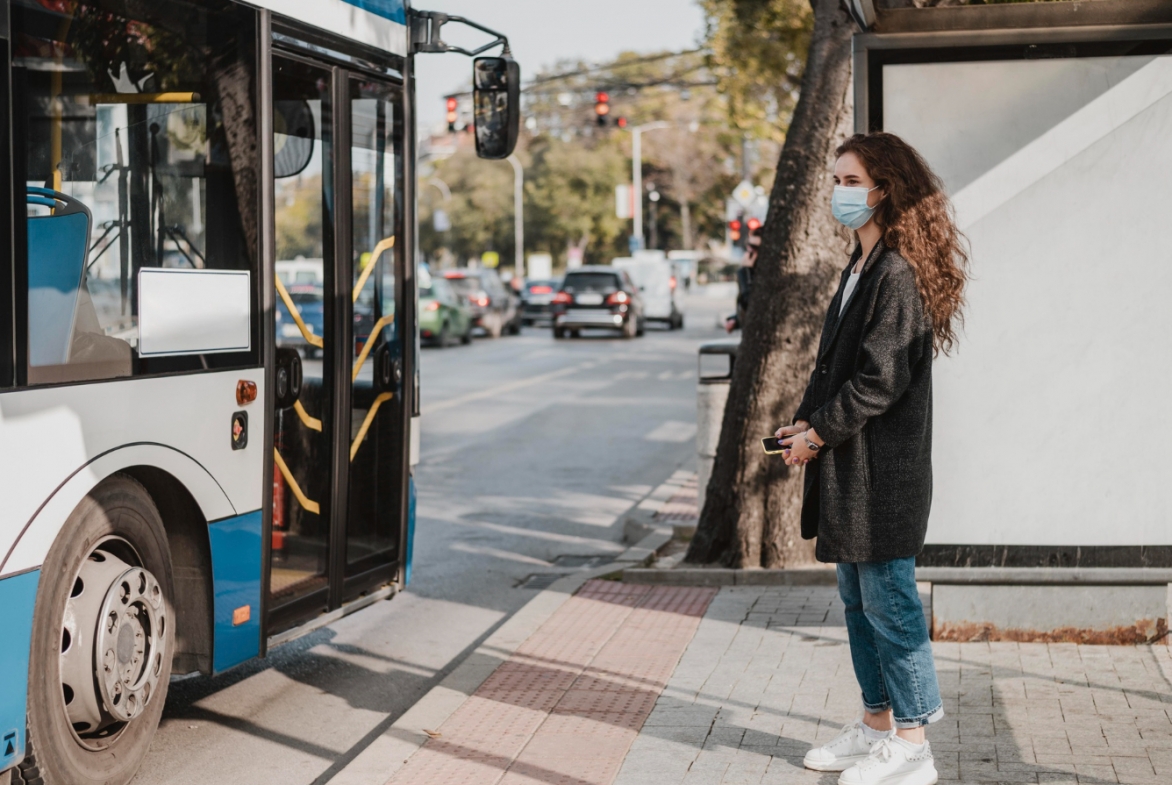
(208, 375)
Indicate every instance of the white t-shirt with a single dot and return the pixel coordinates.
(851, 283)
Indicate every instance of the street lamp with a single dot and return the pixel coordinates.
(637, 174)
(518, 217)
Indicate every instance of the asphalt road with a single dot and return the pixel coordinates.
(531, 452)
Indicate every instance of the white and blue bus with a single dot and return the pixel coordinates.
(207, 345)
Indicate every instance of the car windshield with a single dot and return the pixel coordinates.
(591, 282)
(305, 297)
(466, 285)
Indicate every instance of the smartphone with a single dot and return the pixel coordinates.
(773, 445)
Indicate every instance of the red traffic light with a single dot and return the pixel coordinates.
(621, 122)
(734, 230)
(601, 106)
(451, 104)
(753, 224)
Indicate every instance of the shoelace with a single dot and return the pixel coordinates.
(880, 753)
(845, 734)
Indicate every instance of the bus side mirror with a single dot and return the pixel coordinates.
(293, 135)
(496, 93)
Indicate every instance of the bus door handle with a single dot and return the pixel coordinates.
(388, 370)
(287, 378)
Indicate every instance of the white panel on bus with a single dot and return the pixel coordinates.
(193, 311)
(1059, 172)
(377, 23)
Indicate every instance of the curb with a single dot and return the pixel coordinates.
(384, 756)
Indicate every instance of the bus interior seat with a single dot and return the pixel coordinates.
(63, 325)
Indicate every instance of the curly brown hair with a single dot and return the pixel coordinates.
(917, 220)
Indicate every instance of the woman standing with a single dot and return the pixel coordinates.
(864, 432)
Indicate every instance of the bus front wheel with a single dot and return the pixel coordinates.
(103, 639)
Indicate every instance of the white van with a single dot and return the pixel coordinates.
(656, 280)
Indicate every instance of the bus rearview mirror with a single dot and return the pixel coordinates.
(294, 130)
(496, 93)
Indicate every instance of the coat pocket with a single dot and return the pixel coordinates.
(868, 456)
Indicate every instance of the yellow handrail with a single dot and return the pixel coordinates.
(144, 98)
(308, 421)
(378, 326)
(308, 504)
(366, 422)
(310, 338)
(383, 245)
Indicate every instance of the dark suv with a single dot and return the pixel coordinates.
(493, 307)
(597, 297)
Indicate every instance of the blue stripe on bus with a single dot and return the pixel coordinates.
(394, 10)
(410, 530)
(18, 596)
(236, 561)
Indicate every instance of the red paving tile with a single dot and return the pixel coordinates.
(564, 709)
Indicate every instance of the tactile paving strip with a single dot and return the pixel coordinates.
(564, 709)
(683, 505)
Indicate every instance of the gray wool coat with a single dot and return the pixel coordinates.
(868, 494)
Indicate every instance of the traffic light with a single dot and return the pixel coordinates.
(736, 234)
(452, 115)
(621, 122)
(753, 224)
(601, 107)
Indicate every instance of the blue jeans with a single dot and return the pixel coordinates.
(889, 640)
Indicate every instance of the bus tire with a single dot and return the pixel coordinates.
(110, 561)
(28, 772)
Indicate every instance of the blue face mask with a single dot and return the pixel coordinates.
(849, 206)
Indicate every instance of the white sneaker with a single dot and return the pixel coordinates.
(892, 763)
(848, 748)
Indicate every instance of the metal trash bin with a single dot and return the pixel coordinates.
(715, 363)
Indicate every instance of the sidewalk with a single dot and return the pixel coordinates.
(654, 685)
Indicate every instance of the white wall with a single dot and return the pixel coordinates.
(1051, 424)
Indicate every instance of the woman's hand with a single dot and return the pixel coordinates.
(799, 452)
(790, 430)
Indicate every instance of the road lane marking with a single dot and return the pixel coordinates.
(482, 550)
(492, 392)
(672, 431)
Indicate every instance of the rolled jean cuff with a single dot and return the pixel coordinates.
(876, 708)
(924, 719)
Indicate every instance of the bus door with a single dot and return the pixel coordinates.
(339, 446)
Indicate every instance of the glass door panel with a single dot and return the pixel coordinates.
(376, 460)
(303, 471)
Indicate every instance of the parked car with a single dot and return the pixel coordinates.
(657, 285)
(309, 299)
(443, 316)
(597, 297)
(493, 308)
(537, 300)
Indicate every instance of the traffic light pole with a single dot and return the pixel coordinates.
(518, 217)
(637, 175)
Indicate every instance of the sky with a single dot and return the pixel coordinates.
(541, 32)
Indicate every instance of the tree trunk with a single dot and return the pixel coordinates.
(686, 224)
(752, 515)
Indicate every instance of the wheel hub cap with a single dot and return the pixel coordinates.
(112, 644)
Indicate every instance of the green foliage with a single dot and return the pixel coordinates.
(758, 49)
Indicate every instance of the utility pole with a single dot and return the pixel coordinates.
(637, 174)
(518, 217)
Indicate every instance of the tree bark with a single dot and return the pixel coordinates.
(752, 514)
